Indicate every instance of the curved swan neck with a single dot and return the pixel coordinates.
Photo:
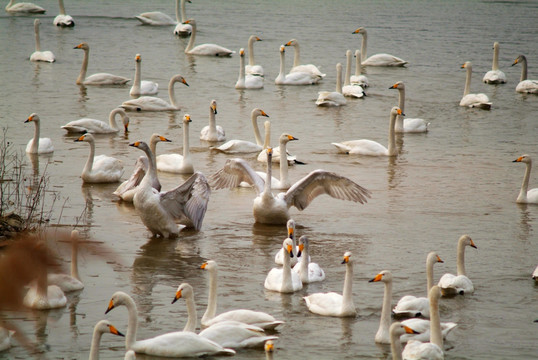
(172, 93)
(392, 135)
(495, 65)
(347, 76)
(132, 324)
(525, 185)
(523, 69)
(339, 78)
(461, 258)
(190, 45)
(467, 89)
(62, 7)
(10, 4)
(211, 310)
(257, 135)
(284, 171)
(94, 348)
(192, 316)
(36, 30)
(401, 105)
(112, 118)
(347, 294)
(436, 337)
(251, 40)
(364, 45)
(297, 55)
(152, 170)
(84, 68)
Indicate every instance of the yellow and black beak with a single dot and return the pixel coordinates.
(377, 278)
(301, 248)
(114, 331)
(177, 297)
(110, 306)
(408, 330)
(135, 144)
(346, 260)
(472, 244)
(80, 138)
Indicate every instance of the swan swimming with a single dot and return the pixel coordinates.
(526, 196)
(176, 163)
(204, 49)
(182, 29)
(252, 68)
(351, 90)
(458, 285)
(247, 81)
(309, 272)
(333, 98)
(212, 132)
(38, 145)
(101, 168)
(38, 55)
(99, 78)
(377, 59)
(495, 76)
(244, 146)
(525, 85)
(152, 103)
(93, 126)
(358, 78)
(23, 7)
(298, 67)
(293, 78)
(473, 100)
(142, 87)
(282, 279)
(62, 19)
(413, 125)
(69, 283)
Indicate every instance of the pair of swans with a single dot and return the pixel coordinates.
(283, 279)
(271, 209)
(244, 146)
(204, 49)
(296, 77)
(247, 81)
(407, 125)
(349, 89)
(333, 98)
(370, 147)
(100, 168)
(458, 284)
(213, 132)
(99, 78)
(298, 67)
(176, 163)
(469, 99)
(23, 8)
(377, 59)
(495, 76)
(63, 19)
(358, 78)
(525, 85)
(252, 68)
(152, 103)
(526, 196)
(142, 87)
(38, 55)
(93, 126)
(38, 145)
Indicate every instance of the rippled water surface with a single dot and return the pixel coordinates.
(456, 179)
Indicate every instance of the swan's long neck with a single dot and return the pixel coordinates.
(431, 260)
(495, 65)
(358, 65)
(132, 324)
(186, 143)
(364, 45)
(212, 123)
(467, 89)
(347, 301)
(461, 258)
(183, 13)
(172, 93)
(190, 45)
(37, 132)
(401, 105)
(395, 346)
(251, 50)
(74, 258)
(339, 79)
(96, 340)
(178, 18)
(211, 310)
(384, 322)
(392, 135)
(525, 185)
(10, 4)
(84, 67)
(267, 139)
(152, 171)
(284, 167)
(192, 316)
(112, 117)
(241, 78)
(62, 7)
(436, 336)
(282, 73)
(257, 135)
(303, 264)
(37, 42)
(267, 186)
(89, 162)
(286, 270)
(523, 69)
(347, 76)
(297, 55)
(138, 75)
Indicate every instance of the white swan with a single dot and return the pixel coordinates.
(460, 284)
(243, 146)
(373, 148)
(99, 78)
(262, 156)
(473, 100)
(247, 81)
(293, 78)
(526, 196)
(283, 279)
(159, 211)
(23, 7)
(101, 168)
(252, 68)
(102, 327)
(309, 272)
(333, 98)
(282, 253)
(182, 29)
(38, 55)
(67, 282)
(204, 49)
(414, 125)
(298, 67)
(269, 348)
(256, 318)
(212, 132)
(377, 59)
(155, 18)
(62, 19)
(359, 78)
(284, 182)
(38, 145)
(397, 329)
(351, 90)
(173, 344)
(271, 209)
(152, 103)
(41, 296)
(93, 126)
(525, 85)
(412, 306)
(495, 76)
(334, 304)
(142, 87)
(176, 163)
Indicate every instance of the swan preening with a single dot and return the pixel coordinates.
(309, 272)
(142, 87)
(495, 76)
(243, 146)
(204, 49)
(351, 90)
(23, 7)
(460, 284)
(176, 163)
(252, 68)
(247, 81)
(293, 78)
(407, 125)
(38, 145)
(212, 132)
(298, 67)
(333, 98)
(525, 85)
(377, 59)
(38, 55)
(271, 209)
(99, 78)
(101, 168)
(62, 19)
(526, 196)
(102, 327)
(473, 100)
(93, 126)
(358, 78)
(152, 103)
(282, 279)
(182, 29)
(66, 282)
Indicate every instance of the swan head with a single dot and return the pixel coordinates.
(259, 112)
(117, 299)
(303, 243)
(524, 159)
(285, 138)
(187, 118)
(209, 265)
(292, 42)
(495, 45)
(358, 54)
(138, 58)
(140, 144)
(398, 329)
(83, 46)
(179, 78)
(467, 241)
(396, 111)
(269, 346)
(33, 117)
(282, 49)
(519, 59)
(184, 290)
(434, 258)
(398, 85)
(104, 326)
(347, 257)
(213, 106)
(269, 152)
(86, 138)
(288, 246)
(254, 38)
(360, 30)
(385, 276)
(291, 228)
(467, 65)
(190, 21)
(157, 138)
(37, 22)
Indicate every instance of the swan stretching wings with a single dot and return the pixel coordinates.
(526, 196)
(62, 19)
(101, 168)
(525, 85)
(38, 145)
(495, 76)
(453, 285)
(473, 100)
(23, 7)
(39, 55)
(99, 78)
(333, 98)
(377, 59)
(204, 49)
(152, 103)
(142, 87)
(415, 125)
(93, 126)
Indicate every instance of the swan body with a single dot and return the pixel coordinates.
(204, 49)
(377, 59)
(102, 327)
(282, 279)
(212, 132)
(473, 100)
(358, 78)
(309, 272)
(334, 304)
(152, 103)
(159, 211)
(525, 85)
(495, 76)
(175, 163)
(243, 146)
(247, 81)
(256, 318)
(293, 78)
(69, 283)
(181, 29)
(41, 296)
(38, 145)
(271, 209)
(38, 55)
(155, 18)
(526, 196)
(351, 90)
(252, 68)
(23, 8)
(333, 98)
(373, 148)
(142, 87)
(298, 67)
(93, 126)
(407, 125)
(99, 78)
(62, 19)
(458, 284)
(101, 168)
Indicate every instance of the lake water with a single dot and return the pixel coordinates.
(458, 178)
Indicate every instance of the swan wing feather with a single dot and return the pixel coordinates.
(233, 173)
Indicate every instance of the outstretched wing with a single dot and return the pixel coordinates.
(140, 169)
(233, 173)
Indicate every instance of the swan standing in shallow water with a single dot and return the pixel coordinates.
(176, 163)
(23, 8)
(495, 76)
(62, 19)
(101, 168)
(204, 49)
(38, 55)
(212, 132)
(142, 87)
(282, 279)
(309, 272)
(351, 90)
(407, 125)
(334, 304)
(377, 59)
(525, 85)
(271, 209)
(333, 98)
(298, 67)
(99, 78)
(359, 78)
(460, 284)
(67, 282)
(93, 126)
(526, 196)
(373, 148)
(181, 29)
(102, 327)
(293, 78)
(243, 146)
(473, 100)
(38, 145)
(152, 103)
(252, 68)
(247, 81)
